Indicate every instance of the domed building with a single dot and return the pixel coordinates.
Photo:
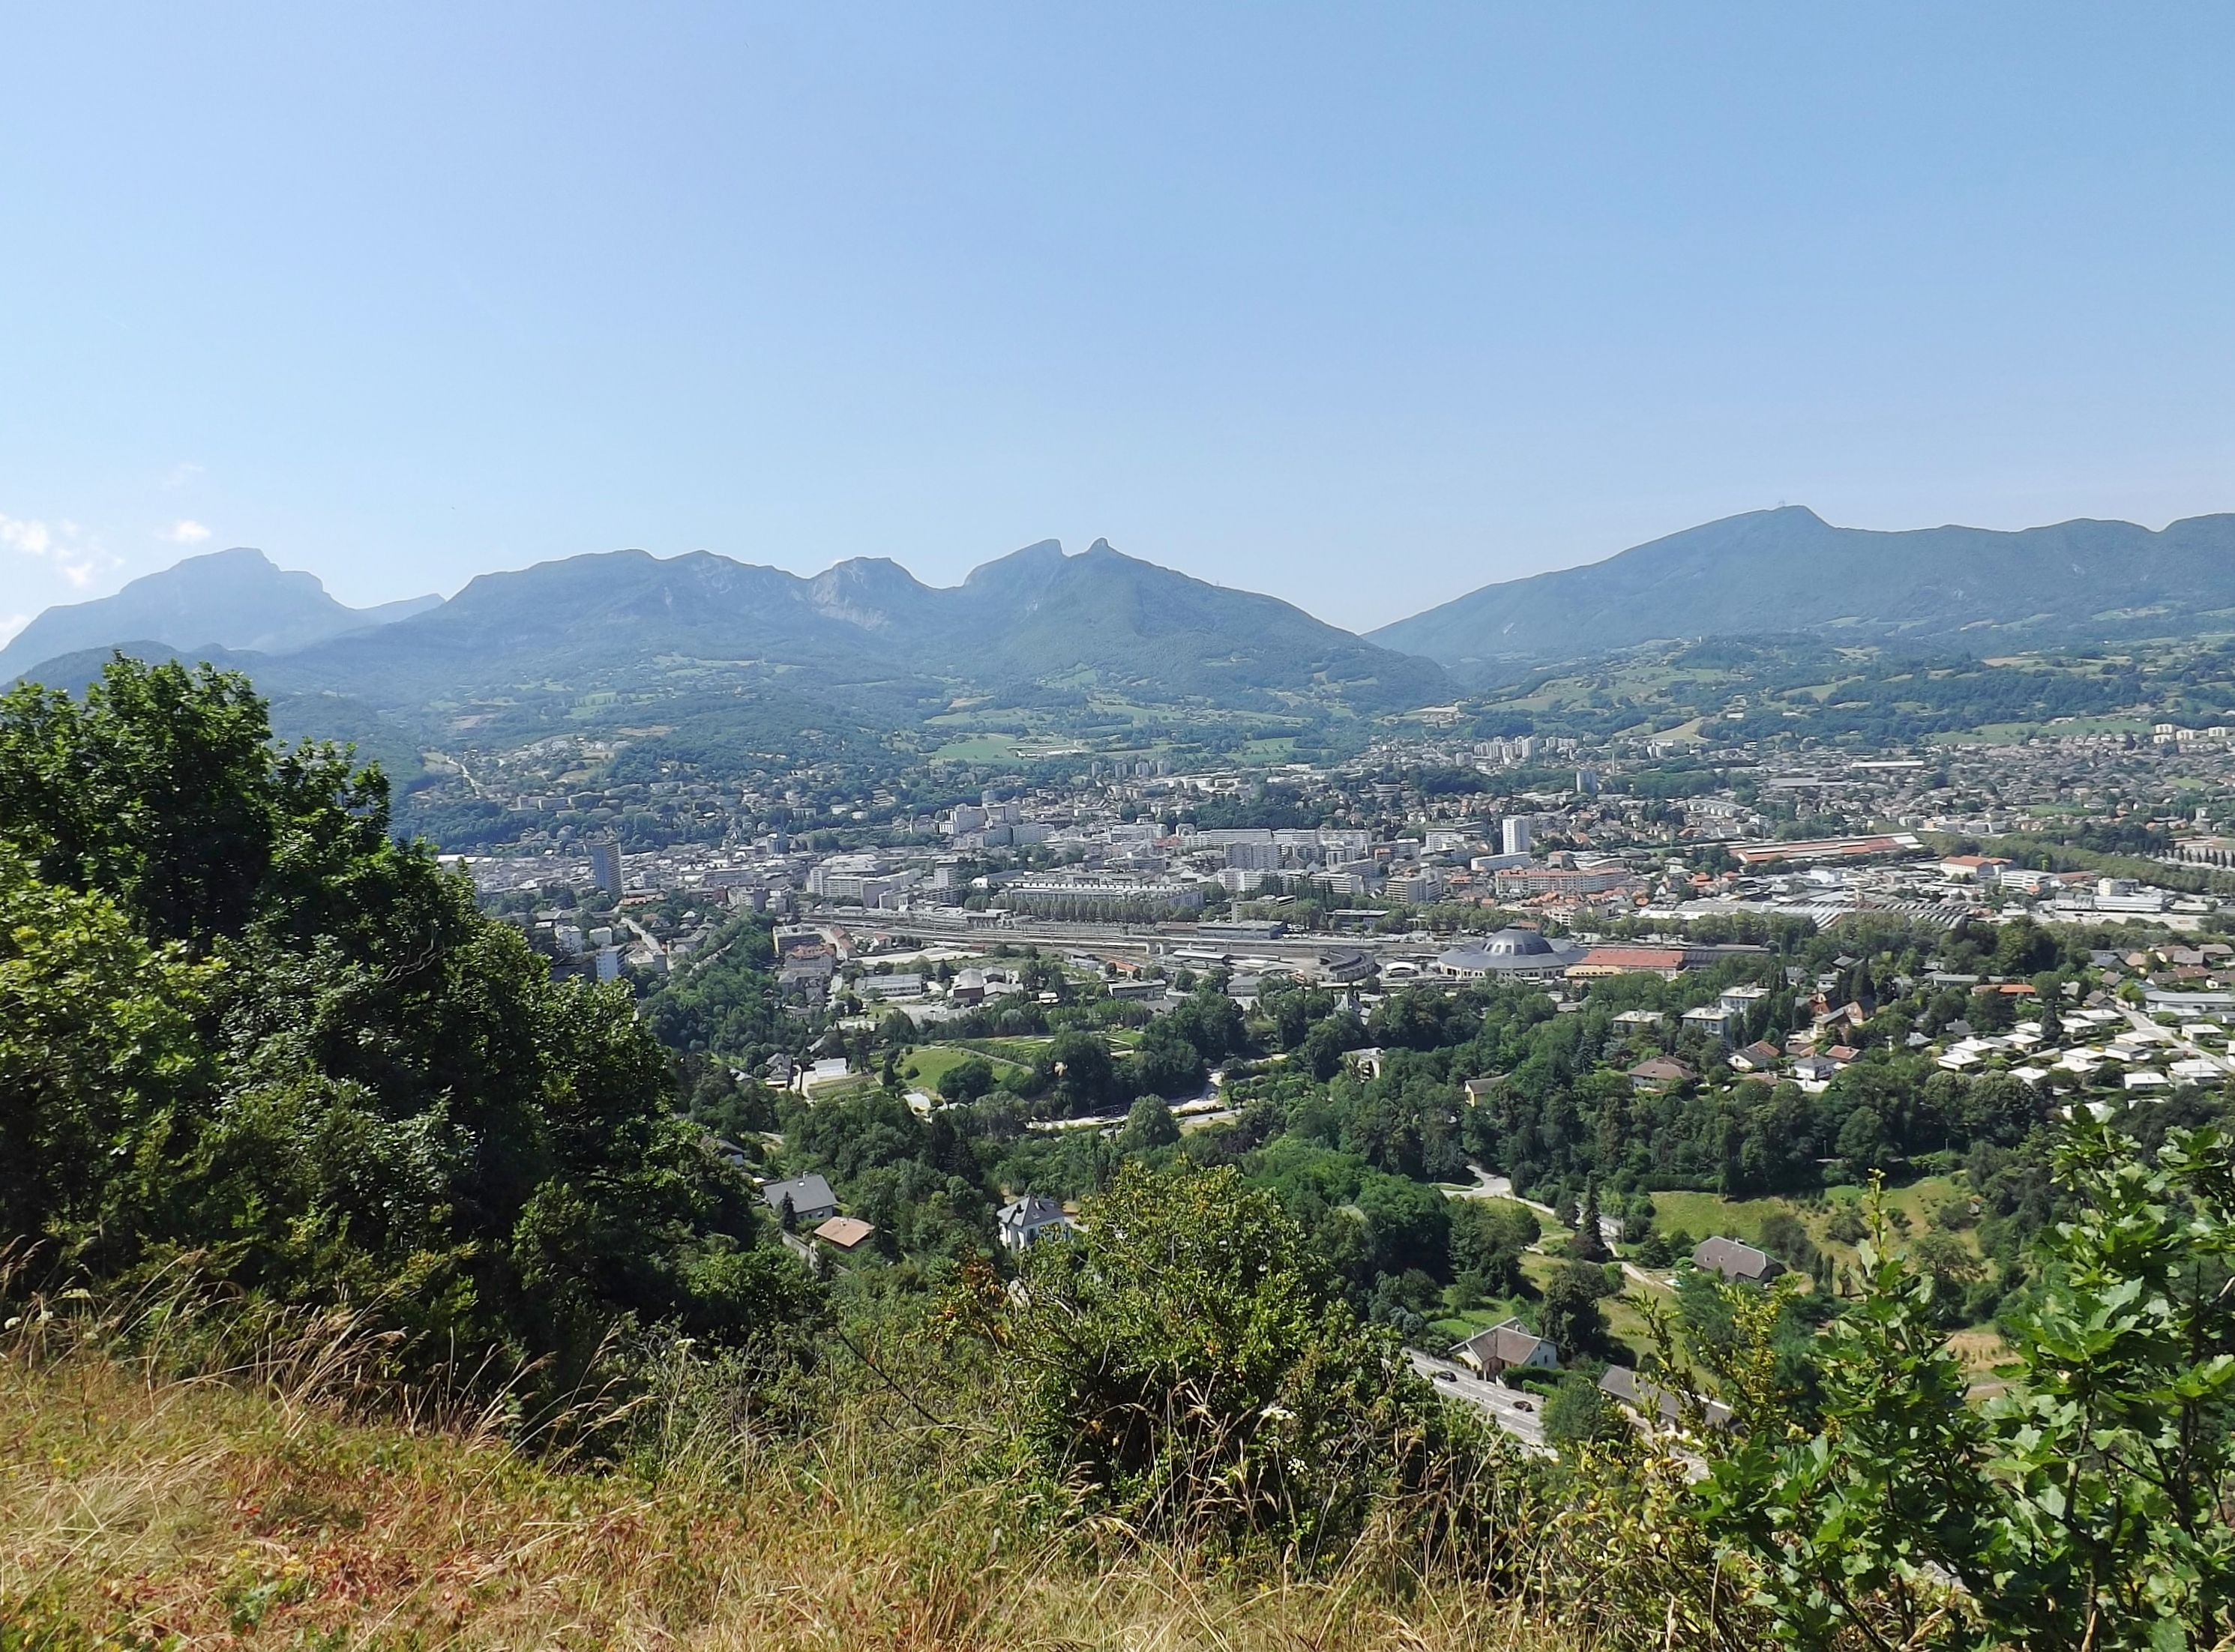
(1509, 955)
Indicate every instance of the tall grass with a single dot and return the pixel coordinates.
(179, 1471)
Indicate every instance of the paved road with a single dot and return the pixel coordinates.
(1519, 1413)
(2187, 1046)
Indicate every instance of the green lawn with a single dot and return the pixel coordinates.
(926, 1066)
(1702, 1215)
(978, 748)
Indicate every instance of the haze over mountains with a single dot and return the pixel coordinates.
(232, 599)
(1786, 571)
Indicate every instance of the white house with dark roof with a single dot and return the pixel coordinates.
(1023, 1223)
(810, 1196)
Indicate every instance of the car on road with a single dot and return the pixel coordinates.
(1447, 1377)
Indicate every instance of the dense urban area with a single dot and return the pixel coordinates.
(1529, 1032)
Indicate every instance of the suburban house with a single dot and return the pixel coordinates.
(1760, 1056)
(1024, 1222)
(1366, 1063)
(845, 1233)
(1742, 1000)
(810, 1196)
(1660, 1073)
(1716, 1020)
(1738, 1264)
(1506, 1345)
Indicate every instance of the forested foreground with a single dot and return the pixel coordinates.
(333, 1219)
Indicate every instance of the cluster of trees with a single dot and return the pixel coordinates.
(1354, 1158)
(245, 1031)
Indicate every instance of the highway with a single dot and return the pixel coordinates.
(1518, 1412)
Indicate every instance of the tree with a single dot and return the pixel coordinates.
(1570, 1315)
(158, 788)
(1862, 1139)
(96, 1038)
(1322, 1049)
(1075, 1066)
(1588, 1244)
(966, 1080)
(381, 1098)
(2083, 1507)
(1575, 1412)
(1488, 1236)
(1408, 1226)
(1150, 1124)
(1165, 1063)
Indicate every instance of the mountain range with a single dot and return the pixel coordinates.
(1099, 620)
(1039, 628)
(628, 639)
(1788, 570)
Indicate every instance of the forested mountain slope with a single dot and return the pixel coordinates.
(1788, 570)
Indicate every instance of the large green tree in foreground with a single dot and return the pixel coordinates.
(241, 1025)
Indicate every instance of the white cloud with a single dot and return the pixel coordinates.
(69, 550)
(9, 624)
(182, 473)
(185, 534)
(32, 538)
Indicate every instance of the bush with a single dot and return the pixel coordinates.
(2083, 1507)
(1577, 1412)
(1191, 1368)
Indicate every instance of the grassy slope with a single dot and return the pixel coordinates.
(249, 1512)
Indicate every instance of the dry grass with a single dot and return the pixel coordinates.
(263, 1508)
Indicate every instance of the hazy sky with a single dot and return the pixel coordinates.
(1366, 306)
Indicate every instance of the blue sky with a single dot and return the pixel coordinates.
(1365, 306)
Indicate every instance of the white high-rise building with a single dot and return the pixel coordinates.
(1516, 827)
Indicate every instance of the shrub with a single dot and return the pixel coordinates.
(1192, 1369)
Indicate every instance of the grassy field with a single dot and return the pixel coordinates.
(978, 748)
(139, 1510)
(929, 1063)
(1703, 1214)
